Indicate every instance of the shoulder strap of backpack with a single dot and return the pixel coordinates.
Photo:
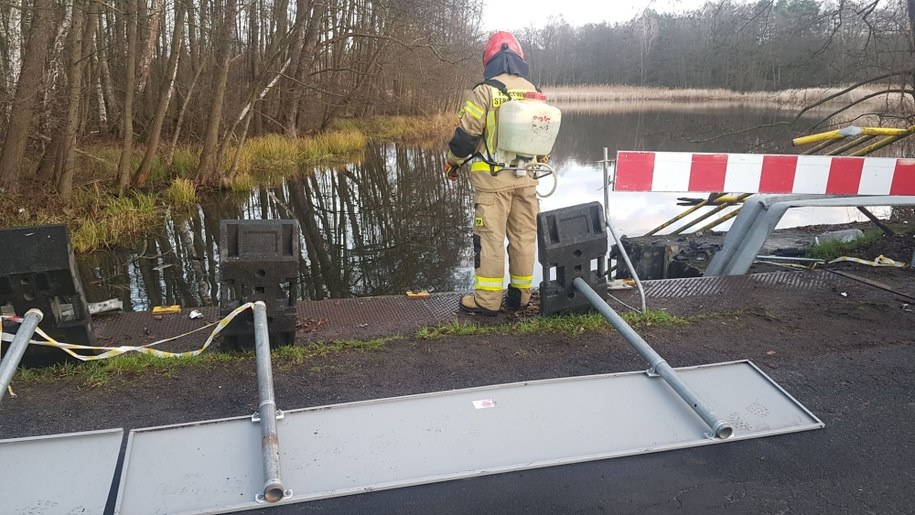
(498, 85)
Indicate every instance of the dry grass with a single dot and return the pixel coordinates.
(242, 182)
(403, 129)
(615, 98)
(270, 154)
(182, 192)
(100, 220)
(334, 146)
(184, 163)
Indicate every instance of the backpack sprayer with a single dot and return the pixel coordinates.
(527, 131)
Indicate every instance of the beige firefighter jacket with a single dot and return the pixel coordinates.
(479, 116)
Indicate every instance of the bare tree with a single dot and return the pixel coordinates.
(13, 36)
(74, 96)
(26, 96)
(129, 92)
(208, 167)
(165, 96)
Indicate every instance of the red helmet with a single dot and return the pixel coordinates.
(501, 41)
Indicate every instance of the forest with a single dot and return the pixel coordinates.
(151, 76)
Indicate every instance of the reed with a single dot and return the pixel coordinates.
(184, 162)
(182, 192)
(622, 97)
(272, 153)
(334, 146)
(103, 220)
(242, 182)
(402, 129)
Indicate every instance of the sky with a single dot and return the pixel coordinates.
(504, 15)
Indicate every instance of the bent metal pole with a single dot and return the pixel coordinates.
(270, 443)
(17, 348)
(720, 428)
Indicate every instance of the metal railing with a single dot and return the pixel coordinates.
(17, 348)
(267, 413)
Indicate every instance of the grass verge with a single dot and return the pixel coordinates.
(96, 374)
(572, 324)
(292, 355)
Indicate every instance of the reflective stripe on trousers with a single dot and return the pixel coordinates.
(510, 214)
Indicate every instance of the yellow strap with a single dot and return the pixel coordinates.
(487, 283)
(522, 281)
(108, 352)
(879, 261)
(491, 132)
(480, 166)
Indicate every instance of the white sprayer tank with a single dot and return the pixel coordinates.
(528, 127)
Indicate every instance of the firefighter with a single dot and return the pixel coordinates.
(506, 203)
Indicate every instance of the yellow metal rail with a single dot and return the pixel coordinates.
(852, 131)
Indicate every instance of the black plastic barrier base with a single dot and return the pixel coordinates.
(259, 260)
(571, 243)
(38, 270)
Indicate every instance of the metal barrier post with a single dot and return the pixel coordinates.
(17, 348)
(720, 428)
(270, 444)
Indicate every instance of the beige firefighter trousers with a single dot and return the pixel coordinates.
(512, 214)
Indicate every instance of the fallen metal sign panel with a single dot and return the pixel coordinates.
(344, 449)
(58, 474)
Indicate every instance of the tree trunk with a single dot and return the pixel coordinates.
(74, 94)
(245, 116)
(14, 44)
(50, 160)
(208, 167)
(303, 61)
(187, 99)
(26, 96)
(99, 92)
(911, 6)
(165, 96)
(105, 73)
(129, 90)
(151, 35)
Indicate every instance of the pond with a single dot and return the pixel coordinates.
(391, 223)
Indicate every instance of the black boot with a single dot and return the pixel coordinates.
(513, 299)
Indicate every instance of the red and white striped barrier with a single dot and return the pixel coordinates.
(759, 173)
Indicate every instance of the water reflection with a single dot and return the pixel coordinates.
(378, 227)
(391, 223)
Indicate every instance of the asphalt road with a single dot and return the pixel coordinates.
(863, 461)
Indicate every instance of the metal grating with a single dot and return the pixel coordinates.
(738, 284)
(396, 315)
(355, 317)
(140, 328)
(371, 317)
